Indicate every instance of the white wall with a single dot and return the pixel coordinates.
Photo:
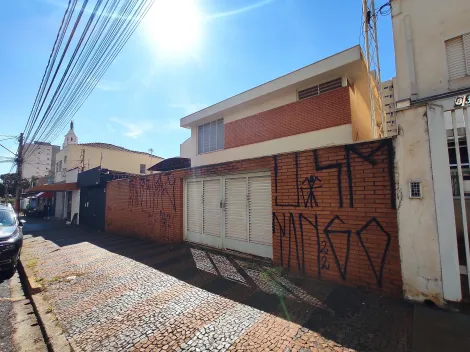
(76, 205)
(417, 226)
(59, 205)
(330, 136)
(420, 28)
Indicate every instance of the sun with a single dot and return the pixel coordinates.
(174, 26)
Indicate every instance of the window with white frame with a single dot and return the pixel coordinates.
(142, 168)
(458, 56)
(210, 136)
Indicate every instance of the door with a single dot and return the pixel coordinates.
(203, 212)
(232, 212)
(248, 214)
(93, 207)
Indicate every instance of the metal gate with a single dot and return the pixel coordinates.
(449, 133)
(93, 207)
(230, 212)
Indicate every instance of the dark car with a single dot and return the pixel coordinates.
(11, 239)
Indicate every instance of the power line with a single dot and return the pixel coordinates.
(1, 145)
(50, 63)
(85, 70)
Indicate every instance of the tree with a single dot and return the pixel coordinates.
(10, 181)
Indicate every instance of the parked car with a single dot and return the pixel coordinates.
(11, 239)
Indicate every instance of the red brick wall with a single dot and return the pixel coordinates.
(334, 214)
(148, 207)
(152, 206)
(323, 111)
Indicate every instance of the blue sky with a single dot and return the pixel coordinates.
(176, 63)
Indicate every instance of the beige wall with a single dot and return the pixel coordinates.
(109, 159)
(330, 136)
(417, 224)
(420, 28)
(360, 110)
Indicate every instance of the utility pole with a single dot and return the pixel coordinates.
(19, 174)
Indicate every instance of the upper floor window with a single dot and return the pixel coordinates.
(210, 136)
(458, 56)
(65, 159)
(142, 168)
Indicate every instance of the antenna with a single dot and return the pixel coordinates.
(371, 47)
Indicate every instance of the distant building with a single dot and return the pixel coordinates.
(75, 158)
(39, 159)
(388, 101)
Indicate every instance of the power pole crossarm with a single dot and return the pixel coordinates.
(19, 174)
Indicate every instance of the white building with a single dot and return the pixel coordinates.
(39, 159)
(432, 56)
(388, 101)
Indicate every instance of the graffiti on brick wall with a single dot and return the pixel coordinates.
(332, 240)
(152, 192)
(296, 230)
(308, 185)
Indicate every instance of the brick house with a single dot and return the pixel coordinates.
(288, 171)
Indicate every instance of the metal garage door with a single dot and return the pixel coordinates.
(234, 213)
(203, 213)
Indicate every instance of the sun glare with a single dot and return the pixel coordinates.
(174, 26)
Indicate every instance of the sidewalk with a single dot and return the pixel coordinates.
(119, 293)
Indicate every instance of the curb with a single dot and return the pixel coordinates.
(52, 332)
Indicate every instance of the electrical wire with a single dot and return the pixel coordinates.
(51, 61)
(77, 21)
(100, 44)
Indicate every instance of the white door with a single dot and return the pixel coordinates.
(203, 212)
(234, 212)
(248, 225)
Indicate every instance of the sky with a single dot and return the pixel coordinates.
(186, 55)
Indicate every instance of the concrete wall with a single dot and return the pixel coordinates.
(360, 110)
(315, 139)
(420, 28)
(60, 205)
(418, 235)
(75, 205)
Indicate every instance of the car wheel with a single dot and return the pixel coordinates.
(8, 274)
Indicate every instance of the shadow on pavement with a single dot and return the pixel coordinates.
(352, 317)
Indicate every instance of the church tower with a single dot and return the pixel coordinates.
(70, 137)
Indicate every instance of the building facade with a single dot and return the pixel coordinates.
(432, 48)
(75, 158)
(39, 160)
(285, 171)
(322, 104)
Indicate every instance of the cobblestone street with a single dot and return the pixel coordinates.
(113, 293)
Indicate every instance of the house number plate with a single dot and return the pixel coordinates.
(462, 100)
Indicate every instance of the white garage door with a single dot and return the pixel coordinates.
(235, 213)
(203, 212)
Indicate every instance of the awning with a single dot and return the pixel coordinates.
(44, 195)
(171, 164)
(55, 187)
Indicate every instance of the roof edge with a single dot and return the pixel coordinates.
(343, 58)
